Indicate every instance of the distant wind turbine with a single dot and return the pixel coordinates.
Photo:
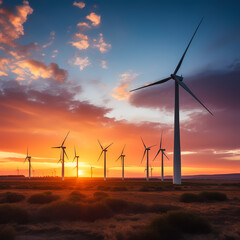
(122, 156)
(163, 153)
(76, 157)
(91, 167)
(28, 158)
(105, 157)
(178, 81)
(146, 150)
(151, 168)
(63, 154)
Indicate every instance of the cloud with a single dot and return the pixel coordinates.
(82, 62)
(3, 73)
(79, 4)
(55, 53)
(11, 22)
(94, 18)
(80, 36)
(121, 92)
(36, 69)
(52, 37)
(83, 25)
(101, 45)
(81, 45)
(104, 64)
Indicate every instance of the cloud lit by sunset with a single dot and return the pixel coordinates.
(72, 69)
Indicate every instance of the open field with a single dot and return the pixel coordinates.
(112, 210)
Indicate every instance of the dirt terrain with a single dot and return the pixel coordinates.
(93, 209)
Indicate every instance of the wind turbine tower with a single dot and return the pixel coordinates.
(146, 150)
(178, 80)
(104, 150)
(28, 158)
(76, 157)
(122, 156)
(63, 154)
(162, 150)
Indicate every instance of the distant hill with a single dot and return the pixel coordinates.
(231, 176)
(12, 176)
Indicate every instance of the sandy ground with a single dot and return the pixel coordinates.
(223, 216)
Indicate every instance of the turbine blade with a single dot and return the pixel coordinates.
(143, 143)
(108, 146)
(64, 152)
(118, 158)
(157, 154)
(65, 139)
(27, 151)
(181, 60)
(151, 84)
(152, 146)
(183, 85)
(56, 147)
(123, 149)
(75, 151)
(143, 155)
(161, 140)
(100, 155)
(59, 160)
(165, 155)
(100, 145)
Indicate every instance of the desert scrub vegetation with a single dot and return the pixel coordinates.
(203, 197)
(170, 226)
(12, 213)
(7, 232)
(91, 211)
(11, 197)
(42, 198)
(77, 196)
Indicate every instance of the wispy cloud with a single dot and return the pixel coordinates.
(79, 4)
(101, 45)
(121, 91)
(82, 62)
(94, 18)
(104, 64)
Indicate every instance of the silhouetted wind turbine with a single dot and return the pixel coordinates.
(146, 150)
(178, 81)
(122, 156)
(163, 153)
(105, 151)
(151, 168)
(76, 157)
(91, 167)
(63, 153)
(29, 164)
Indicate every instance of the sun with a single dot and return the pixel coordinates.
(80, 172)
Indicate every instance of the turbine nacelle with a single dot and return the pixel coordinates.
(176, 77)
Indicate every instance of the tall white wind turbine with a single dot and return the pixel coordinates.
(146, 150)
(122, 156)
(28, 158)
(162, 150)
(105, 158)
(63, 154)
(178, 81)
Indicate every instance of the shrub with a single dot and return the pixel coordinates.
(42, 198)
(100, 195)
(11, 197)
(119, 189)
(203, 197)
(171, 226)
(11, 213)
(189, 197)
(212, 196)
(77, 196)
(7, 232)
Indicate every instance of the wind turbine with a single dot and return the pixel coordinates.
(178, 81)
(146, 150)
(163, 153)
(122, 156)
(91, 167)
(151, 168)
(29, 164)
(63, 154)
(105, 151)
(76, 157)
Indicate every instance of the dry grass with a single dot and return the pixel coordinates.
(11, 197)
(42, 198)
(7, 232)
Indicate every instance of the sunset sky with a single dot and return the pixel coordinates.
(69, 65)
